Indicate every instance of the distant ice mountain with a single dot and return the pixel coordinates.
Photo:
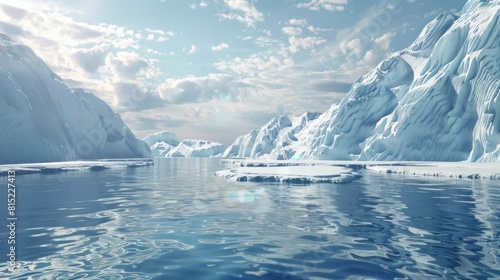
(167, 144)
(42, 120)
(161, 143)
(437, 100)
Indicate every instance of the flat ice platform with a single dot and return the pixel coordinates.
(291, 174)
(313, 171)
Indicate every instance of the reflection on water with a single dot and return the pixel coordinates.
(176, 220)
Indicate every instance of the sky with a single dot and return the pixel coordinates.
(215, 69)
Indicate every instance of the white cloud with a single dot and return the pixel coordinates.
(161, 35)
(155, 31)
(200, 89)
(90, 59)
(272, 78)
(243, 11)
(362, 57)
(264, 41)
(297, 43)
(253, 65)
(291, 31)
(329, 5)
(220, 47)
(317, 30)
(55, 26)
(352, 44)
(352, 48)
(127, 65)
(156, 52)
(380, 50)
(202, 4)
(193, 49)
(134, 96)
(298, 22)
(162, 39)
(95, 57)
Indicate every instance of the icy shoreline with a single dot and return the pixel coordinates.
(82, 165)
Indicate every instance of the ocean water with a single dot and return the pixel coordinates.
(177, 220)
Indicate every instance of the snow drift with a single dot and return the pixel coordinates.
(437, 100)
(42, 120)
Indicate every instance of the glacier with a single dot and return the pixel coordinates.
(43, 120)
(437, 100)
(167, 144)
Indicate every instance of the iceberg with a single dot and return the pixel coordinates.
(437, 100)
(42, 120)
(167, 144)
(197, 148)
(161, 143)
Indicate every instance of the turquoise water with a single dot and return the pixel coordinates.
(176, 220)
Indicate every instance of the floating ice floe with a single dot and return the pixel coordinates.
(297, 174)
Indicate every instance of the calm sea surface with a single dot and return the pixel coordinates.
(177, 220)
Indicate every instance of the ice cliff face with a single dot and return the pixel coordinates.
(42, 120)
(167, 144)
(436, 100)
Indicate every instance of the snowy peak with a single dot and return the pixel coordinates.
(436, 100)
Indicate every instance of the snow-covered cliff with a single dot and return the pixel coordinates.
(42, 120)
(436, 100)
